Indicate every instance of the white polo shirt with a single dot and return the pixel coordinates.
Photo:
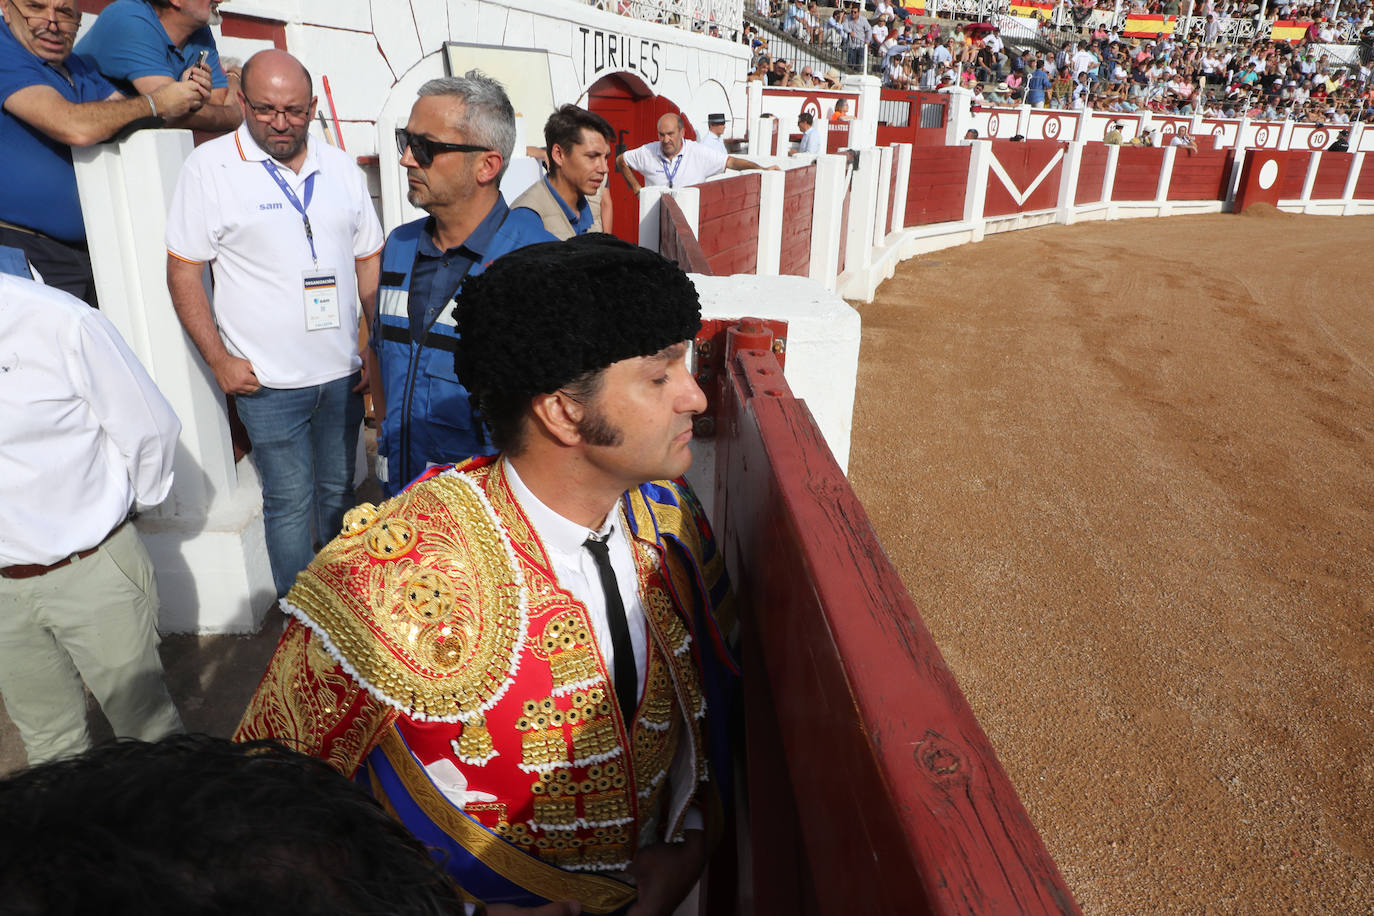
(693, 164)
(229, 211)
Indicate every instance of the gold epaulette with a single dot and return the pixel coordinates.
(421, 600)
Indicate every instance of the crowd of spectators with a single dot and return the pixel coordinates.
(1096, 68)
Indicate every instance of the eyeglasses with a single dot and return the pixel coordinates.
(294, 114)
(425, 149)
(65, 21)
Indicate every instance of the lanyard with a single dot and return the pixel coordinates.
(295, 201)
(668, 173)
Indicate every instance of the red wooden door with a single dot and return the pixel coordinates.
(633, 112)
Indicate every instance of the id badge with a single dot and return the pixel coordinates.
(321, 300)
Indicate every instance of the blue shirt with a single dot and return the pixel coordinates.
(39, 190)
(581, 221)
(438, 274)
(128, 41)
(1036, 87)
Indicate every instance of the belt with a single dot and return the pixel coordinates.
(5, 224)
(32, 570)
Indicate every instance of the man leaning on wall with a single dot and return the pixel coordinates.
(577, 147)
(54, 100)
(140, 45)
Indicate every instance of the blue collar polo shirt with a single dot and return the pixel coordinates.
(39, 192)
(128, 41)
(438, 273)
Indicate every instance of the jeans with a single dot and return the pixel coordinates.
(305, 446)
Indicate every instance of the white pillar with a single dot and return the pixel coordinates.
(1068, 183)
(1314, 162)
(826, 217)
(771, 191)
(1109, 179)
(862, 198)
(648, 216)
(1166, 171)
(1348, 195)
(206, 539)
(884, 194)
(977, 191)
(1023, 118)
(902, 164)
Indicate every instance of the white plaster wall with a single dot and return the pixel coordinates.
(822, 359)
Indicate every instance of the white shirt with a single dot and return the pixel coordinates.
(811, 140)
(576, 571)
(693, 164)
(711, 140)
(229, 211)
(84, 432)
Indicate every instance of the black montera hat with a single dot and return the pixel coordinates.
(543, 316)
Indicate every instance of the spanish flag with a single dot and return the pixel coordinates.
(1143, 26)
(1028, 8)
(913, 6)
(1290, 29)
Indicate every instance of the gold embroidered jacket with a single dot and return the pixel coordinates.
(433, 628)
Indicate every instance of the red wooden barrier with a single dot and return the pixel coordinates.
(1092, 171)
(1364, 185)
(728, 225)
(872, 788)
(676, 241)
(1295, 174)
(1025, 176)
(939, 180)
(1137, 173)
(1332, 173)
(798, 205)
(1203, 175)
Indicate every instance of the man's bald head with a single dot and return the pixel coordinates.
(277, 105)
(276, 68)
(670, 134)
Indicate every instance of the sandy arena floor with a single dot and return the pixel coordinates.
(1137, 512)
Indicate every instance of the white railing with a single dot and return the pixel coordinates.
(692, 15)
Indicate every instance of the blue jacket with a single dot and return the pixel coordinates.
(428, 418)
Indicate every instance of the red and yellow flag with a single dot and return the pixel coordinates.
(1139, 25)
(1290, 29)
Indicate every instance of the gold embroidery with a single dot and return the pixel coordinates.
(474, 743)
(358, 519)
(444, 605)
(596, 738)
(567, 644)
(607, 807)
(390, 540)
(597, 893)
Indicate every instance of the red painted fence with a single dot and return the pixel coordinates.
(938, 184)
(872, 788)
(798, 205)
(728, 224)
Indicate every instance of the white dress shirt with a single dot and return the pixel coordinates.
(693, 164)
(576, 571)
(84, 432)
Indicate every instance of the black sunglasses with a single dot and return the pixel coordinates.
(424, 149)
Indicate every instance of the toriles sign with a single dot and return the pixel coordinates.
(608, 51)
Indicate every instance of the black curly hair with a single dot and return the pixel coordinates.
(199, 825)
(555, 314)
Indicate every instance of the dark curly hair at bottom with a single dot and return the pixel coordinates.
(551, 314)
(194, 825)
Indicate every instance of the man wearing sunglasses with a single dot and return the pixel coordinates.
(292, 238)
(53, 100)
(454, 148)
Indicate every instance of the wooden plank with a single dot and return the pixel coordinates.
(898, 796)
(798, 206)
(1092, 171)
(1137, 173)
(1295, 174)
(1203, 175)
(1364, 185)
(1332, 173)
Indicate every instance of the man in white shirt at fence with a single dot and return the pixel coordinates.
(811, 139)
(293, 240)
(675, 162)
(85, 437)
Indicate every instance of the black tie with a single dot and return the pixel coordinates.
(626, 681)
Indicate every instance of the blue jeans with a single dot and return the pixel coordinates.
(305, 446)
